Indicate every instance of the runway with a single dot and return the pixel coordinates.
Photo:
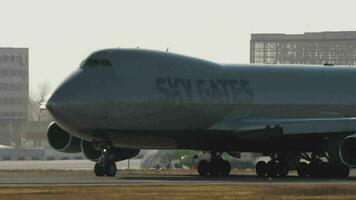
(74, 172)
(41, 180)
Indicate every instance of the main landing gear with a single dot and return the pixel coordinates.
(316, 167)
(215, 167)
(105, 164)
(273, 168)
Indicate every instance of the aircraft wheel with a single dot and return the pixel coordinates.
(203, 168)
(313, 169)
(282, 170)
(261, 168)
(343, 171)
(226, 166)
(110, 169)
(324, 167)
(317, 170)
(99, 169)
(302, 169)
(331, 170)
(272, 168)
(215, 168)
(220, 167)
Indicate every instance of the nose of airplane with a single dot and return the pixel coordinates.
(53, 102)
(61, 102)
(80, 100)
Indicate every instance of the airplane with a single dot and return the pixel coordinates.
(122, 100)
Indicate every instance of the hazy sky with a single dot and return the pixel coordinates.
(60, 34)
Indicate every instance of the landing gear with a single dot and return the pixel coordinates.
(108, 170)
(261, 168)
(343, 171)
(105, 165)
(215, 167)
(315, 165)
(302, 169)
(277, 166)
(325, 170)
(317, 168)
(271, 169)
(283, 169)
(99, 170)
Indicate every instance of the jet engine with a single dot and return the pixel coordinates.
(348, 150)
(62, 141)
(91, 152)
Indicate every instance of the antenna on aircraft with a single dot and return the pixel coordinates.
(167, 49)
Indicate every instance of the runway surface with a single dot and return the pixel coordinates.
(79, 172)
(40, 180)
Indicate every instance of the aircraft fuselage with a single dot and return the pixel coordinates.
(147, 99)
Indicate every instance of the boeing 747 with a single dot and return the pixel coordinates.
(122, 100)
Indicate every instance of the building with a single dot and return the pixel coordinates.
(14, 93)
(338, 48)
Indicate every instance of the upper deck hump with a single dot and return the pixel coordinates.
(148, 55)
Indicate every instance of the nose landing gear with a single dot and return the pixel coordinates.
(105, 165)
(217, 166)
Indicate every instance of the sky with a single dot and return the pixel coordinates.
(60, 34)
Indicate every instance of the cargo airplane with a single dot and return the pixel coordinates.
(122, 100)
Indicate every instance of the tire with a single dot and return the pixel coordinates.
(316, 170)
(302, 169)
(110, 169)
(313, 170)
(99, 170)
(203, 168)
(272, 169)
(261, 168)
(226, 168)
(215, 168)
(323, 170)
(332, 170)
(343, 171)
(282, 170)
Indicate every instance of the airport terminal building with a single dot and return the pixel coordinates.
(338, 48)
(14, 92)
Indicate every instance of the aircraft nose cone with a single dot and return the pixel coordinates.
(50, 104)
(66, 96)
(74, 103)
(56, 104)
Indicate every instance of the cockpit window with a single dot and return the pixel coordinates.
(97, 63)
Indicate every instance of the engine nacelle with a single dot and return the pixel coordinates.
(90, 151)
(347, 150)
(62, 141)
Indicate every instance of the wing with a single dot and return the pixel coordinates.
(289, 126)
